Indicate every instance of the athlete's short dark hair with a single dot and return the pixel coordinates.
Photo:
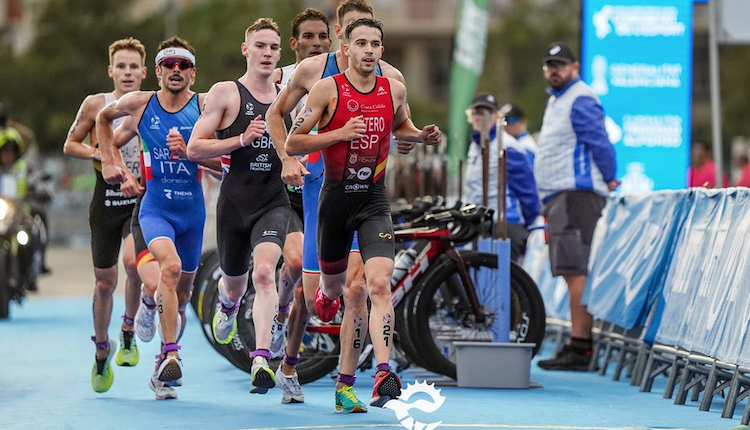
(368, 22)
(346, 6)
(175, 42)
(263, 24)
(309, 14)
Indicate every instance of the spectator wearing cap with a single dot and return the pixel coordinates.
(575, 169)
(515, 125)
(522, 200)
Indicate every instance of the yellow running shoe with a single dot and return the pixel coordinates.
(128, 354)
(101, 373)
(347, 401)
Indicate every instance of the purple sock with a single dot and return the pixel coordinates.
(261, 353)
(292, 361)
(384, 366)
(100, 345)
(128, 321)
(168, 347)
(346, 379)
(229, 309)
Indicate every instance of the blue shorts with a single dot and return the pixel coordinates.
(310, 197)
(184, 229)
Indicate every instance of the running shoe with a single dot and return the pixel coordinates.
(387, 387)
(169, 370)
(325, 307)
(347, 401)
(161, 390)
(128, 354)
(292, 391)
(145, 322)
(261, 377)
(101, 373)
(224, 326)
(278, 337)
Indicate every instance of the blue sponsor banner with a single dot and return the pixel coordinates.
(637, 56)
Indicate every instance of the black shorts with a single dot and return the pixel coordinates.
(296, 223)
(339, 218)
(234, 229)
(109, 219)
(571, 219)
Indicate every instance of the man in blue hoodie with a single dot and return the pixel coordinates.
(575, 169)
(522, 200)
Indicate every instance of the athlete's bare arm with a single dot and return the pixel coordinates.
(83, 126)
(130, 187)
(211, 107)
(214, 116)
(306, 74)
(133, 103)
(320, 105)
(403, 128)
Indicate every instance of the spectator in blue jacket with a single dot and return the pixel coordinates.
(575, 169)
(522, 200)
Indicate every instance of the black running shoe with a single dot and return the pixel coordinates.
(568, 358)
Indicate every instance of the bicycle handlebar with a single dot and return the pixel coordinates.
(466, 220)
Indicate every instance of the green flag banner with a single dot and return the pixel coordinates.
(468, 62)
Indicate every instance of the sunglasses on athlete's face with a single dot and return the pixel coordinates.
(169, 63)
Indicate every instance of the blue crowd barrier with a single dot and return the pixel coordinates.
(632, 246)
(674, 262)
(706, 306)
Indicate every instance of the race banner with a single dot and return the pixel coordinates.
(468, 62)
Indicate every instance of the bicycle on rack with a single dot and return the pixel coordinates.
(438, 300)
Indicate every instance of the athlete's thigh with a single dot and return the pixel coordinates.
(109, 225)
(189, 244)
(271, 226)
(232, 239)
(155, 225)
(376, 237)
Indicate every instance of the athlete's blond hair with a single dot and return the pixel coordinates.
(129, 43)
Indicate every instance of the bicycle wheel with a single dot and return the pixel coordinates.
(440, 307)
(209, 263)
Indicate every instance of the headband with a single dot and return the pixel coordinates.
(175, 52)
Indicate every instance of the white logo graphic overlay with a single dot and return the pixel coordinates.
(401, 408)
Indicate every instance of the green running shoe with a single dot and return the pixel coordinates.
(224, 324)
(128, 354)
(347, 401)
(262, 378)
(101, 372)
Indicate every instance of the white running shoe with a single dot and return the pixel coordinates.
(278, 339)
(224, 326)
(161, 390)
(169, 370)
(290, 387)
(145, 322)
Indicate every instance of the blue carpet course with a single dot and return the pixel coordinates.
(47, 356)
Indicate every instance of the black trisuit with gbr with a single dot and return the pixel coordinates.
(253, 200)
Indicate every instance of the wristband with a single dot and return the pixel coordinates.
(242, 140)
